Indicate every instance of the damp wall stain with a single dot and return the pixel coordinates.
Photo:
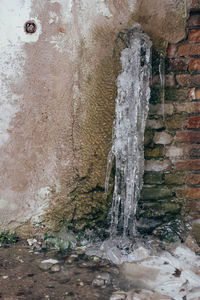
(58, 97)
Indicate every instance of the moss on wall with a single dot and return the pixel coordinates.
(87, 204)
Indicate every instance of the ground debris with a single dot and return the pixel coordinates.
(177, 273)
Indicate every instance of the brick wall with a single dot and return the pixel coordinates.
(170, 201)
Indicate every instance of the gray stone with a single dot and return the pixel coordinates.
(104, 276)
(160, 109)
(162, 138)
(155, 193)
(173, 151)
(153, 178)
(157, 165)
(118, 296)
(55, 268)
(45, 266)
(155, 124)
(98, 282)
(31, 241)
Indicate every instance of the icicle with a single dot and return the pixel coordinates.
(162, 82)
(108, 170)
(131, 111)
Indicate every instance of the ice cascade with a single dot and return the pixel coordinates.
(131, 111)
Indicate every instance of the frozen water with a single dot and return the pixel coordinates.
(131, 111)
(162, 83)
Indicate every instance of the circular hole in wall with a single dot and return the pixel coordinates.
(30, 27)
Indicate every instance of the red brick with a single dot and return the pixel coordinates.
(189, 193)
(177, 64)
(188, 80)
(193, 206)
(193, 179)
(195, 4)
(188, 136)
(192, 150)
(169, 80)
(193, 122)
(184, 79)
(194, 64)
(193, 193)
(195, 79)
(188, 165)
(176, 121)
(171, 50)
(194, 93)
(194, 20)
(194, 35)
(189, 49)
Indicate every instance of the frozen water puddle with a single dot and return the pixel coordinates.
(168, 276)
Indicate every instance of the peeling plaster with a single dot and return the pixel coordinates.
(66, 9)
(78, 13)
(12, 57)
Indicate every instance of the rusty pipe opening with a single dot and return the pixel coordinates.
(30, 27)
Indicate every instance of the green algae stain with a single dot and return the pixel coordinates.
(87, 205)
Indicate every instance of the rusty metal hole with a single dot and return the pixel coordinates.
(30, 27)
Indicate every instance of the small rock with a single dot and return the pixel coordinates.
(162, 138)
(105, 277)
(74, 256)
(31, 241)
(98, 282)
(52, 261)
(118, 296)
(36, 246)
(55, 268)
(45, 266)
(95, 258)
(5, 277)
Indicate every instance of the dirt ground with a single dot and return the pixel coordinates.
(24, 277)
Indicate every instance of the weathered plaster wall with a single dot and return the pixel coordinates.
(57, 102)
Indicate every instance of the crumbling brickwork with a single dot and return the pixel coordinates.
(171, 192)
